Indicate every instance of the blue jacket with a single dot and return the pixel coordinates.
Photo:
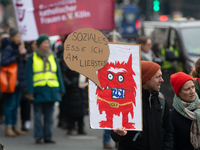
(10, 54)
(44, 93)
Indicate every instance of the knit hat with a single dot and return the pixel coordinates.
(13, 32)
(178, 79)
(42, 38)
(148, 70)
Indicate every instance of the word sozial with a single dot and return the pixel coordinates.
(89, 36)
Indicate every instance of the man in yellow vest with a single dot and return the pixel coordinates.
(175, 48)
(167, 64)
(45, 86)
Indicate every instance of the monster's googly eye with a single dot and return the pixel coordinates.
(110, 76)
(120, 78)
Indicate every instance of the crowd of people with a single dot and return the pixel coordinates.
(44, 78)
(175, 129)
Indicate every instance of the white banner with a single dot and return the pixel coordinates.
(25, 19)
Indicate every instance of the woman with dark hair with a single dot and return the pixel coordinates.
(11, 54)
(146, 52)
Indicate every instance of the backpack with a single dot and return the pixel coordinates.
(8, 78)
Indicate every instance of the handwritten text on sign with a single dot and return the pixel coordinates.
(86, 51)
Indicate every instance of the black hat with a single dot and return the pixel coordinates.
(13, 31)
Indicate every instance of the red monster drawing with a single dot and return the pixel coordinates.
(118, 92)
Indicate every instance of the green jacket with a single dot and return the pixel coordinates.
(44, 93)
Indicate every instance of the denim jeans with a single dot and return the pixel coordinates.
(106, 136)
(11, 104)
(43, 131)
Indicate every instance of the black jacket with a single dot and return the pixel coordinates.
(10, 54)
(157, 129)
(181, 132)
(76, 98)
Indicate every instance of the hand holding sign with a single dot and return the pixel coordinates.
(86, 51)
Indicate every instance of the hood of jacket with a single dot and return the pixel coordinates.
(149, 97)
(147, 94)
(5, 42)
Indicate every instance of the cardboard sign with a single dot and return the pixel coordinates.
(86, 51)
(119, 102)
(62, 17)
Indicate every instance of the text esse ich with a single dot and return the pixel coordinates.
(82, 49)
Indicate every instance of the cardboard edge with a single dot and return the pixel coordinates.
(118, 43)
(89, 104)
(82, 30)
(141, 85)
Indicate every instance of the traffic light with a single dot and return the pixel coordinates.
(156, 5)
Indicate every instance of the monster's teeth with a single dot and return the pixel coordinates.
(107, 87)
(103, 88)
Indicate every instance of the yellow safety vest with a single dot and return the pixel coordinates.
(174, 49)
(41, 78)
(166, 64)
(176, 53)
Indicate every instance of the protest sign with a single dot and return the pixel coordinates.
(62, 17)
(86, 51)
(118, 103)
